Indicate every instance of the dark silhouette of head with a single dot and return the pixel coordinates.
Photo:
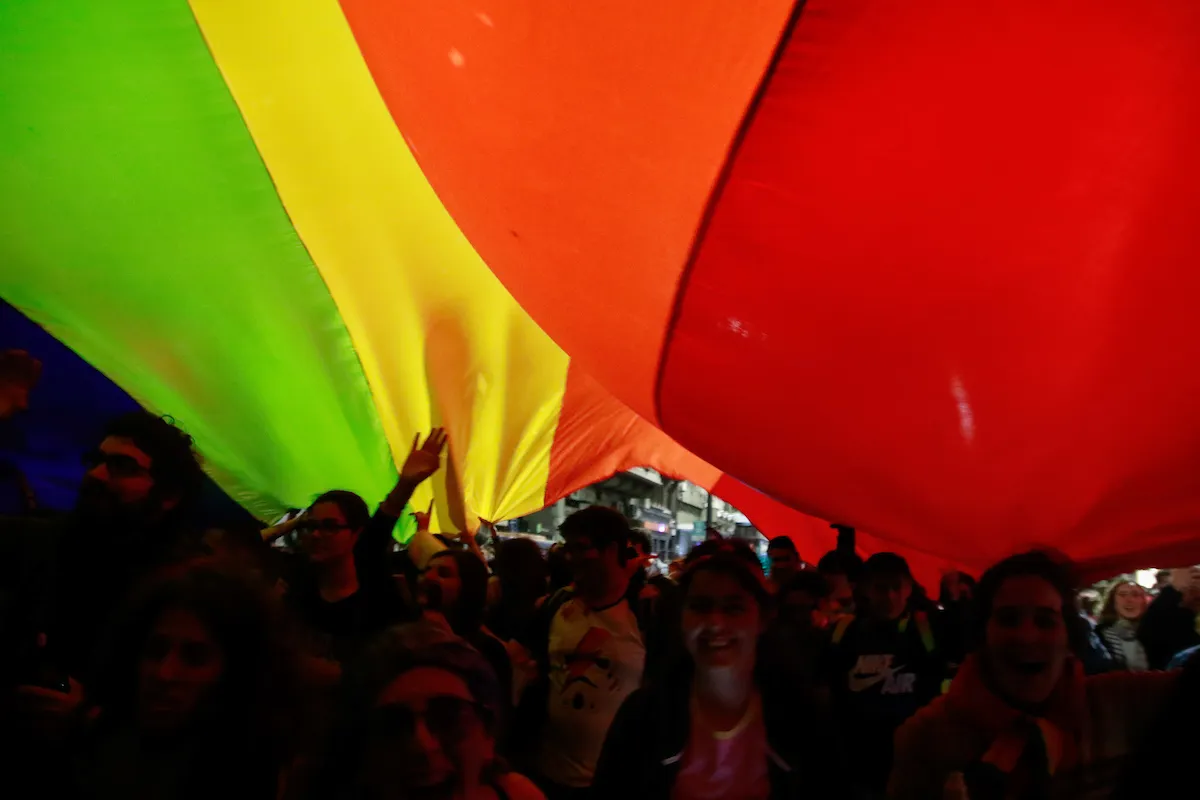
(522, 572)
(455, 583)
(19, 374)
(597, 545)
(144, 467)
(419, 712)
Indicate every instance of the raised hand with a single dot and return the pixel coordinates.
(423, 517)
(955, 787)
(424, 460)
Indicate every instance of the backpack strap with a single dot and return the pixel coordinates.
(539, 644)
(839, 630)
(925, 630)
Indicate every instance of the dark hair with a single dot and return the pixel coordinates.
(729, 557)
(806, 580)
(836, 562)
(559, 569)
(243, 547)
(174, 464)
(639, 538)
(353, 507)
(886, 564)
(522, 572)
(602, 525)
(1053, 569)
(782, 543)
(467, 614)
(944, 594)
(255, 705)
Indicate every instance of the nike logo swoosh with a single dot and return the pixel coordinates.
(858, 684)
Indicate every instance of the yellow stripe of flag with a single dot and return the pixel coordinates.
(440, 339)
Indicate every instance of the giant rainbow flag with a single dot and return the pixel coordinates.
(925, 267)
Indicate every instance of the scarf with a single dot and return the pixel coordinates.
(1121, 638)
(1026, 751)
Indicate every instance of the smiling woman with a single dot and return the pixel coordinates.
(722, 723)
(1020, 719)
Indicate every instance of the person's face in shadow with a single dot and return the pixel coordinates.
(427, 737)
(179, 668)
(1026, 642)
(721, 622)
(327, 535)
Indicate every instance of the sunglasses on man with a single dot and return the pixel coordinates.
(326, 525)
(119, 465)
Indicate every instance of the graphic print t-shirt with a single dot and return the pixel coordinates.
(596, 661)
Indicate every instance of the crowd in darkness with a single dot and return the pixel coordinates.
(146, 656)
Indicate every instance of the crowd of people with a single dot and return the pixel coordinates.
(148, 657)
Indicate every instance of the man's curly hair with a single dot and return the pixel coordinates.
(174, 462)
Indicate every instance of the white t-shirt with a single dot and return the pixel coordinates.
(596, 661)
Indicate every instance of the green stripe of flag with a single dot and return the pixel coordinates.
(139, 226)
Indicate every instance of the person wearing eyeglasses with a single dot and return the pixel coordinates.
(348, 593)
(419, 722)
(131, 517)
(70, 573)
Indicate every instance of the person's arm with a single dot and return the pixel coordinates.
(282, 529)
(1167, 742)
(375, 542)
(468, 538)
(914, 773)
(625, 746)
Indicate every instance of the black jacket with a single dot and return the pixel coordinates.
(880, 674)
(1167, 754)
(1167, 628)
(643, 752)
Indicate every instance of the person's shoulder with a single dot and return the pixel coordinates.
(30, 544)
(555, 601)
(639, 700)
(46, 528)
(1118, 688)
(1121, 706)
(1168, 597)
(646, 714)
(486, 643)
(1183, 658)
(927, 726)
(518, 787)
